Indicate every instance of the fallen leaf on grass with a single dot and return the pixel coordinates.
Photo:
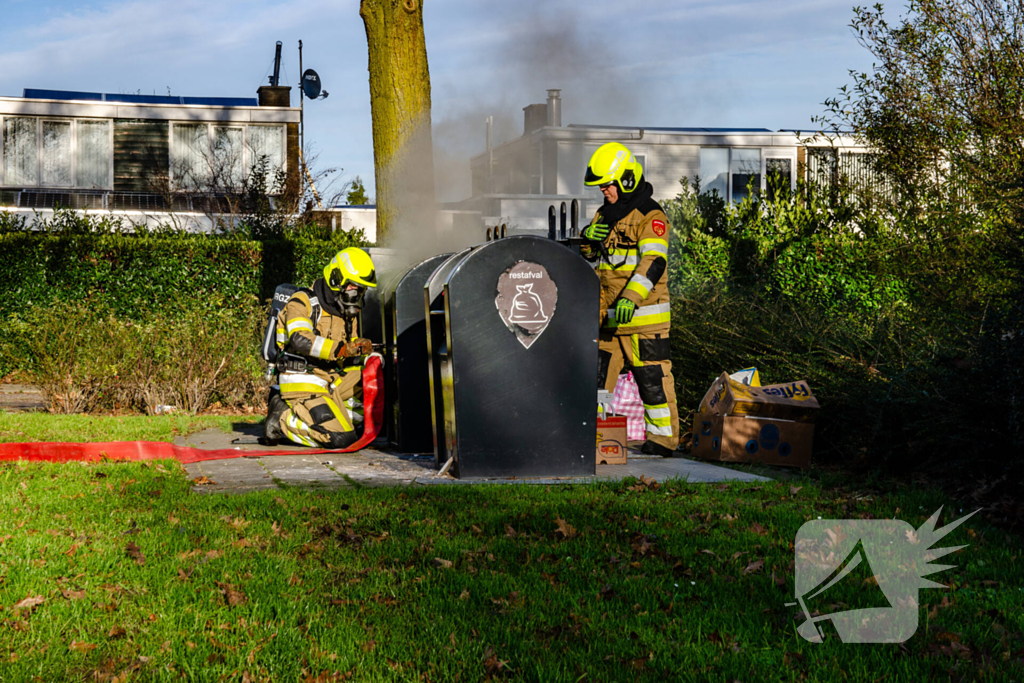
(71, 551)
(73, 595)
(492, 664)
(564, 529)
(30, 602)
(133, 552)
(368, 646)
(213, 555)
(756, 528)
(242, 543)
(183, 575)
(294, 580)
(203, 481)
(443, 563)
(328, 677)
(79, 646)
(116, 632)
(232, 595)
(464, 595)
(509, 531)
(793, 490)
(754, 567)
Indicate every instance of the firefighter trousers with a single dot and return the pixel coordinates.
(325, 420)
(647, 357)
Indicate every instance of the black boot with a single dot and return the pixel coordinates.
(653, 448)
(272, 432)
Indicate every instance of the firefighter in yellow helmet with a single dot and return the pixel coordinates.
(321, 357)
(628, 240)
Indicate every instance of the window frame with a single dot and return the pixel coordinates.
(38, 182)
(766, 153)
(211, 126)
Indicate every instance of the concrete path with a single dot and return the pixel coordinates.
(376, 466)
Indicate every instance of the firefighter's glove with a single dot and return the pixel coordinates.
(355, 348)
(624, 309)
(596, 232)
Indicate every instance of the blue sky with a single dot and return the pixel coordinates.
(645, 63)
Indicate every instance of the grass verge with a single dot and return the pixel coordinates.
(27, 427)
(116, 570)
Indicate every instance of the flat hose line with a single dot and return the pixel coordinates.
(373, 419)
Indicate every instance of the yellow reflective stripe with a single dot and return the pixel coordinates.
(641, 285)
(302, 387)
(353, 368)
(306, 378)
(299, 324)
(321, 348)
(657, 245)
(645, 315)
(339, 415)
(634, 340)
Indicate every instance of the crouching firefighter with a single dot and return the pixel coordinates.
(628, 241)
(320, 356)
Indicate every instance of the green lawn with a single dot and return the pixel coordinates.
(24, 427)
(116, 569)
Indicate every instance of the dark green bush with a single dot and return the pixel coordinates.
(156, 283)
(904, 326)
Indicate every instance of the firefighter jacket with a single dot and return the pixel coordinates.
(306, 328)
(633, 265)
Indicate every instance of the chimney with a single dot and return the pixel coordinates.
(554, 108)
(534, 117)
(274, 95)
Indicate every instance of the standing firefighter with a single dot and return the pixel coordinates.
(628, 239)
(321, 357)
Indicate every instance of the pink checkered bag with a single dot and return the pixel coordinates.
(626, 401)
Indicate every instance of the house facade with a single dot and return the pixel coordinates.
(141, 154)
(527, 180)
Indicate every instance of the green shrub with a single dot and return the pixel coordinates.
(87, 362)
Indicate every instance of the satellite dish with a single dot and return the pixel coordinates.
(311, 84)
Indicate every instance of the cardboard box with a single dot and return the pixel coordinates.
(738, 438)
(611, 441)
(792, 401)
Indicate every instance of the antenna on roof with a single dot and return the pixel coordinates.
(277, 65)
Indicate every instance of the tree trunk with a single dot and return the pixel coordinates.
(400, 107)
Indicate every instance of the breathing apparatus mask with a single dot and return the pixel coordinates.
(351, 301)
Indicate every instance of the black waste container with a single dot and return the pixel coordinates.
(407, 411)
(512, 334)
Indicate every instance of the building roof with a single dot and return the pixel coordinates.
(675, 130)
(39, 94)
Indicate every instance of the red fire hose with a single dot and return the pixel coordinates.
(373, 401)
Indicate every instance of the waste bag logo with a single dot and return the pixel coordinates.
(859, 578)
(526, 300)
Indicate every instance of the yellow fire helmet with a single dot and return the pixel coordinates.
(351, 265)
(614, 163)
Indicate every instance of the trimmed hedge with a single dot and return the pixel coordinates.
(130, 275)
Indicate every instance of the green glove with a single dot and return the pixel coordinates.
(596, 232)
(624, 309)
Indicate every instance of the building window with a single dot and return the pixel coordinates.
(56, 156)
(55, 153)
(21, 154)
(714, 170)
(745, 169)
(266, 142)
(215, 158)
(190, 155)
(730, 171)
(93, 154)
(779, 176)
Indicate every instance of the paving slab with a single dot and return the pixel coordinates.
(377, 466)
(21, 398)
